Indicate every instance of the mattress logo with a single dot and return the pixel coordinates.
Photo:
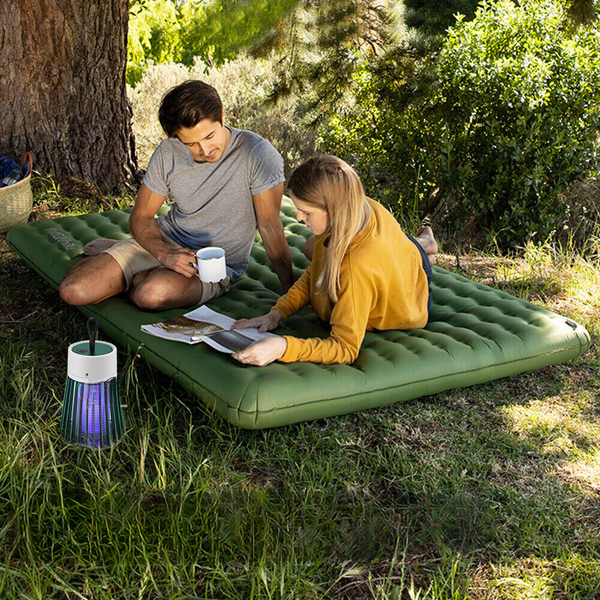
(64, 240)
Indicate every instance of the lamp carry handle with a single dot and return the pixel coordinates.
(92, 327)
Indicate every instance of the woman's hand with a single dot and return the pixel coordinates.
(263, 323)
(262, 352)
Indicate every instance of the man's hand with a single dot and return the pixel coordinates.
(262, 352)
(145, 230)
(263, 323)
(180, 260)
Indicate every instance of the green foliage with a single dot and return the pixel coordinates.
(488, 491)
(510, 122)
(316, 44)
(384, 133)
(432, 18)
(176, 31)
(582, 11)
(154, 36)
(224, 28)
(519, 98)
(326, 43)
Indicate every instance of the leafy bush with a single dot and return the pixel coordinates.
(388, 133)
(520, 96)
(214, 31)
(511, 122)
(432, 18)
(153, 37)
(244, 85)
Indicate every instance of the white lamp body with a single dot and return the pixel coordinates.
(85, 368)
(92, 414)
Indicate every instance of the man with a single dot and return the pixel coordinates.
(226, 183)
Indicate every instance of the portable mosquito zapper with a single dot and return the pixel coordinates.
(92, 414)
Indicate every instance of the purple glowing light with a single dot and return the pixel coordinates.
(92, 414)
(94, 408)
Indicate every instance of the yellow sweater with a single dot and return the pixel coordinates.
(382, 286)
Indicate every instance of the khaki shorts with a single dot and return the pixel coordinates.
(133, 259)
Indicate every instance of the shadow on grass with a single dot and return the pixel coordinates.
(484, 492)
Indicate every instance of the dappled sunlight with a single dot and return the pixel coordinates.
(524, 579)
(583, 289)
(552, 426)
(530, 578)
(585, 470)
(243, 85)
(561, 432)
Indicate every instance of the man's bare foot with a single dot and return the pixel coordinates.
(98, 246)
(427, 241)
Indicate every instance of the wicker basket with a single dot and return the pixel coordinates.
(16, 202)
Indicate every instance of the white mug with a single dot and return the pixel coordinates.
(210, 263)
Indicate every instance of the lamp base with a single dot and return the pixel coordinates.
(92, 415)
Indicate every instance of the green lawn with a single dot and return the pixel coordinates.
(486, 492)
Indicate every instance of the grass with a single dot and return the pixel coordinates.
(486, 492)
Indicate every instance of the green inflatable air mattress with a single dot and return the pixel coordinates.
(475, 334)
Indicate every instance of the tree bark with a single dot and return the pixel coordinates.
(62, 88)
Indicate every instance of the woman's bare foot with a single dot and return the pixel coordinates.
(427, 241)
(98, 246)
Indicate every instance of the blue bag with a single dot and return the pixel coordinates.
(6, 166)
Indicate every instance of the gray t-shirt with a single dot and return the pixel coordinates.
(213, 201)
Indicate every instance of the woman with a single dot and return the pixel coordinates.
(365, 272)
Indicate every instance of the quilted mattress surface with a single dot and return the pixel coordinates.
(475, 334)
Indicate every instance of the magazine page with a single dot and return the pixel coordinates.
(181, 329)
(225, 339)
(207, 315)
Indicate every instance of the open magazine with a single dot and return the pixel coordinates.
(206, 325)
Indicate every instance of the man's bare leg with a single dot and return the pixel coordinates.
(427, 241)
(97, 278)
(97, 246)
(92, 280)
(162, 289)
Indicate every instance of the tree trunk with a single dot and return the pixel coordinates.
(62, 88)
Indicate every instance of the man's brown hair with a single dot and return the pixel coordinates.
(187, 104)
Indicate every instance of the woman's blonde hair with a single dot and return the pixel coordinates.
(330, 183)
